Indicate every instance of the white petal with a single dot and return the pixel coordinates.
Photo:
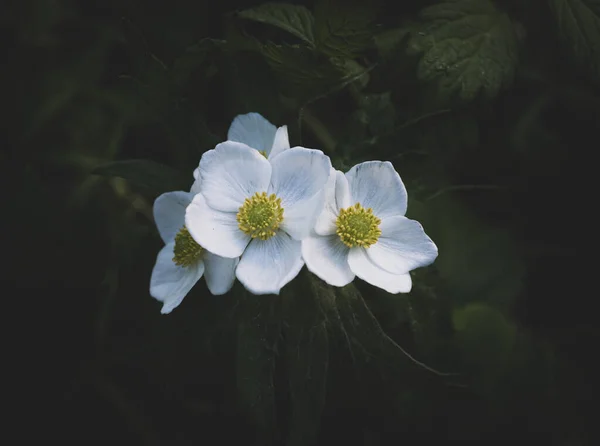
(169, 213)
(195, 189)
(281, 142)
(219, 273)
(267, 265)
(377, 185)
(299, 177)
(169, 282)
(253, 130)
(327, 258)
(402, 246)
(364, 268)
(215, 231)
(337, 196)
(293, 272)
(298, 220)
(232, 172)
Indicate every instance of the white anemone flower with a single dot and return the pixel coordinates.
(182, 262)
(363, 232)
(258, 209)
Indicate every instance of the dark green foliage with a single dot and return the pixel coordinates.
(467, 47)
(579, 24)
(489, 111)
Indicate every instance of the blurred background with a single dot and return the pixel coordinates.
(489, 111)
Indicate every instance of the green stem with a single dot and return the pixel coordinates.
(319, 130)
(464, 187)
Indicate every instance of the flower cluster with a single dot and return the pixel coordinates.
(259, 211)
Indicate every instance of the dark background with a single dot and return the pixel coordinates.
(499, 168)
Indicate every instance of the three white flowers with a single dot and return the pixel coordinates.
(260, 210)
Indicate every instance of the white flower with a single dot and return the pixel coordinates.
(362, 231)
(255, 131)
(181, 263)
(258, 209)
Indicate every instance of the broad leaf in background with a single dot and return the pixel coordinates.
(306, 75)
(294, 19)
(150, 177)
(380, 358)
(579, 25)
(468, 48)
(366, 338)
(258, 333)
(307, 361)
(345, 28)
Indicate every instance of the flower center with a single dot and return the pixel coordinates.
(260, 215)
(357, 226)
(186, 251)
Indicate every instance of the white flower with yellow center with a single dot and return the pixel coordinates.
(363, 232)
(258, 209)
(182, 262)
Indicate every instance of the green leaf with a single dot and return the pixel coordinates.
(257, 337)
(579, 25)
(486, 339)
(153, 178)
(468, 48)
(366, 338)
(345, 27)
(294, 19)
(307, 75)
(307, 357)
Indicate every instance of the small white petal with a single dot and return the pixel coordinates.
(299, 177)
(215, 231)
(364, 268)
(377, 185)
(337, 196)
(327, 258)
(169, 213)
(280, 143)
(219, 273)
(253, 130)
(402, 246)
(195, 189)
(268, 265)
(169, 282)
(232, 172)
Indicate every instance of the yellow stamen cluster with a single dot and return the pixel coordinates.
(260, 215)
(263, 153)
(357, 226)
(186, 251)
